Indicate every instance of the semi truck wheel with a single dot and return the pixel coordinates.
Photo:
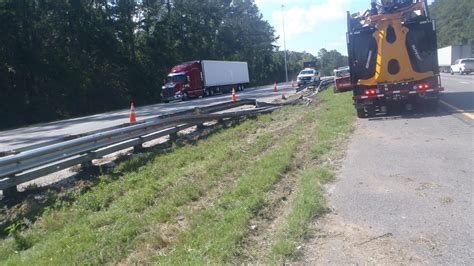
(371, 111)
(185, 96)
(360, 113)
(431, 105)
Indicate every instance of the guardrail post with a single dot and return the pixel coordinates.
(174, 137)
(138, 148)
(10, 192)
(86, 165)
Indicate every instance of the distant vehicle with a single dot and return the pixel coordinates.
(448, 55)
(310, 64)
(342, 79)
(308, 76)
(204, 78)
(392, 57)
(463, 66)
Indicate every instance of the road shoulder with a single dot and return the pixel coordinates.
(403, 195)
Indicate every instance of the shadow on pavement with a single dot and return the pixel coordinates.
(459, 102)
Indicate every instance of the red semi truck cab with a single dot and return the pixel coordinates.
(204, 78)
(183, 82)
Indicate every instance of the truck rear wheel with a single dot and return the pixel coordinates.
(431, 105)
(371, 111)
(360, 113)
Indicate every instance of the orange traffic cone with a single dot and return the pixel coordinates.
(234, 96)
(133, 117)
(275, 87)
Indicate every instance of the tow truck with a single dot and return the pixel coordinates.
(392, 50)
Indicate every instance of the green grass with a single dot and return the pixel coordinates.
(334, 125)
(215, 232)
(106, 223)
(308, 202)
(131, 215)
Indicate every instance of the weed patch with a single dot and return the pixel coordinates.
(334, 125)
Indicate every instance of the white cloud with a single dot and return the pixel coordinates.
(299, 20)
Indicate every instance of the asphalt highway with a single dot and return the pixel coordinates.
(36, 134)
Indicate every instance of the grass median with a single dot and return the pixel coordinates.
(335, 124)
(191, 204)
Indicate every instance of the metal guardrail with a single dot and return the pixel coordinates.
(206, 109)
(28, 163)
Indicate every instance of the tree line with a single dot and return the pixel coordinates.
(66, 58)
(454, 22)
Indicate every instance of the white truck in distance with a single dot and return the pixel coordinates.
(308, 76)
(448, 55)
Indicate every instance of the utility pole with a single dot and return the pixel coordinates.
(284, 41)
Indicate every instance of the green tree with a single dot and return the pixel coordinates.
(67, 58)
(454, 21)
(331, 60)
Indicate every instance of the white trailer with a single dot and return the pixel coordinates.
(447, 55)
(224, 73)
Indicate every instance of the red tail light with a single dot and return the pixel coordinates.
(423, 86)
(370, 91)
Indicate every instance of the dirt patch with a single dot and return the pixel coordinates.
(446, 200)
(336, 242)
(256, 244)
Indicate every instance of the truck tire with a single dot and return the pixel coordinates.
(432, 105)
(371, 111)
(185, 96)
(360, 113)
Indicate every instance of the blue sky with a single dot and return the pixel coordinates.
(311, 24)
